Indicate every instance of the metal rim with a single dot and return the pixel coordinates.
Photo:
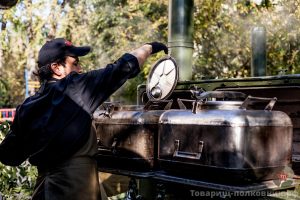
(149, 89)
(6, 4)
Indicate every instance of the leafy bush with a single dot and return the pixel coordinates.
(16, 183)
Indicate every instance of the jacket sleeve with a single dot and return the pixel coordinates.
(91, 89)
(12, 150)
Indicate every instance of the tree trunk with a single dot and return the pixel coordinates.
(53, 20)
(30, 61)
(3, 27)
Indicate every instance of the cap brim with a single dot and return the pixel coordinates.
(78, 51)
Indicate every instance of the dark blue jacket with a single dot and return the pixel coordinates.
(52, 125)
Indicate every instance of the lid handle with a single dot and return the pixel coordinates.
(219, 95)
(268, 107)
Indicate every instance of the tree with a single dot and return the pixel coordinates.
(222, 36)
(120, 26)
(17, 183)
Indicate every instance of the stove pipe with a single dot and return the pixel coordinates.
(180, 36)
(259, 52)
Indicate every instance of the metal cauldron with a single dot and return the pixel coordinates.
(127, 136)
(224, 140)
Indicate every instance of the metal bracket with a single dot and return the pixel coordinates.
(108, 110)
(132, 193)
(150, 104)
(189, 155)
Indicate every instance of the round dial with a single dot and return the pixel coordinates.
(162, 79)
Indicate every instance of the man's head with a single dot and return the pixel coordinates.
(58, 57)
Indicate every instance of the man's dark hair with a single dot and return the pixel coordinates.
(44, 73)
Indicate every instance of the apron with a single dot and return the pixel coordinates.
(75, 179)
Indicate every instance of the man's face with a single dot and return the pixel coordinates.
(71, 64)
(62, 70)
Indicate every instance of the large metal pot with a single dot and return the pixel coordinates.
(224, 141)
(127, 138)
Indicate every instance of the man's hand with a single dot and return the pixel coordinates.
(157, 47)
(143, 52)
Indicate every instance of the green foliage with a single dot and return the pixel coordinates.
(120, 27)
(16, 183)
(4, 93)
(223, 36)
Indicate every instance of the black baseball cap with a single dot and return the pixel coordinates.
(58, 48)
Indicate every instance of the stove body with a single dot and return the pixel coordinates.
(226, 144)
(197, 142)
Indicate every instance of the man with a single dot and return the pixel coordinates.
(53, 127)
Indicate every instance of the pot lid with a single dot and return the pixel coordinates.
(162, 79)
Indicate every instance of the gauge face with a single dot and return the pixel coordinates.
(162, 79)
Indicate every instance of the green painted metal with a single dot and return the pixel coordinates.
(259, 52)
(214, 84)
(180, 38)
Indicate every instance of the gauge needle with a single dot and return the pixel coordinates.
(170, 71)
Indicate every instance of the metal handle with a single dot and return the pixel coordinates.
(221, 95)
(152, 104)
(189, 155)
(114, 146)
(109, 109)
(195, 103)
(181, 104)
(269, 106)
(183, 107)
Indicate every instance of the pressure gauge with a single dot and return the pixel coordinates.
(162, 79)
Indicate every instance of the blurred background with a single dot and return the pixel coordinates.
(222, 46)
(222, 43)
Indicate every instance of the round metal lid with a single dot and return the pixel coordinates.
(162, 79)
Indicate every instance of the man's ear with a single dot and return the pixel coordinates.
(56, 70)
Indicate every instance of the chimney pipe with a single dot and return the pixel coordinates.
(180, 36)
(258, 49)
